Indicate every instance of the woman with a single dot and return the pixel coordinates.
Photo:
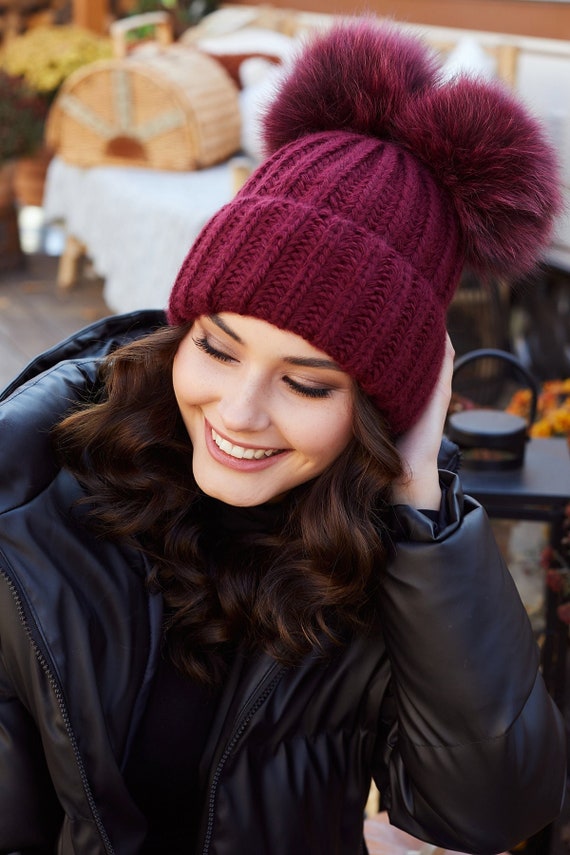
(236, 586)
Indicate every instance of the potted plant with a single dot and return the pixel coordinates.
(43, 57)
(22, 118)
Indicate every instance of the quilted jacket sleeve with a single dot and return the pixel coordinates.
(473, 749)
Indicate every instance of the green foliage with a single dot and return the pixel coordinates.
(184, 12)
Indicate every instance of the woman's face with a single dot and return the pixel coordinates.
(265, 410)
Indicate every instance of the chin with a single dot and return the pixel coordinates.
(236, 498)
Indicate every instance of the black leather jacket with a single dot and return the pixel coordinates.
(445, 707)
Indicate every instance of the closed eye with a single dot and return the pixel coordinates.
(298, 388)
(205, 345)
(308, 391)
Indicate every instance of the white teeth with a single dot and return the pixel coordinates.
(239, 451)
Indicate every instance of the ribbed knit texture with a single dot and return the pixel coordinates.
(319, 243)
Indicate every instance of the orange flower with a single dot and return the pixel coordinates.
(553, 408)
(520, 403)
(560, 421)
(541, 428)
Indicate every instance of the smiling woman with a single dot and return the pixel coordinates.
(258, 402)
(238, 577)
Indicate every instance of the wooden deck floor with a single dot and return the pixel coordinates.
(35, 314)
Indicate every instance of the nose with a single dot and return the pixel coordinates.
(245, 406)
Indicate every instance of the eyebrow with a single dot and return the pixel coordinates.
(312, 362)
(302, 361)
(223, 326)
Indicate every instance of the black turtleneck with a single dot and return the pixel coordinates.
(162, 770)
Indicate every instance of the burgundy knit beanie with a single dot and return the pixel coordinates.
(381, 183)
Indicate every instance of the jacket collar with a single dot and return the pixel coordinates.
(42, 394)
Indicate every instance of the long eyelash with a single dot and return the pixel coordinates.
(205, 345)
(308, 391)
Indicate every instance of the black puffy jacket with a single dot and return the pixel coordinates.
(445, 708)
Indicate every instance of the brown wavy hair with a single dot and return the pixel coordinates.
(305, 584)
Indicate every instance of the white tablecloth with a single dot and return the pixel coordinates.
(137, 224)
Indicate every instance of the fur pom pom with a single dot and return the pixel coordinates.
(494, 160)
(485, 150)
(355, 77)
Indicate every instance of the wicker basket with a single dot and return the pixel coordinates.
(168, 108)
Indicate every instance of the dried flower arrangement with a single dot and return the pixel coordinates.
(42, 58)
(45, 56)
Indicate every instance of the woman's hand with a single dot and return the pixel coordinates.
(419, 447)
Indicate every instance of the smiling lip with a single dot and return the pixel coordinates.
(244, 464)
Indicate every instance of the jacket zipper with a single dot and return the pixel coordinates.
(238, 732)
(44, 664)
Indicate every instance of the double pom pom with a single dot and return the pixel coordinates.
(485, 149)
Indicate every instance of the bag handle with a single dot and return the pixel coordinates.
(505, 356)
(119, 29)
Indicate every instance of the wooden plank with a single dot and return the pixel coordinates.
(539, 18)
(35, 314)
(69, 262)
(91, 14)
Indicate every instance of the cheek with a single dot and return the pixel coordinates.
(324, 436)
(181, 373)
(189, 379)
(339, 437)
